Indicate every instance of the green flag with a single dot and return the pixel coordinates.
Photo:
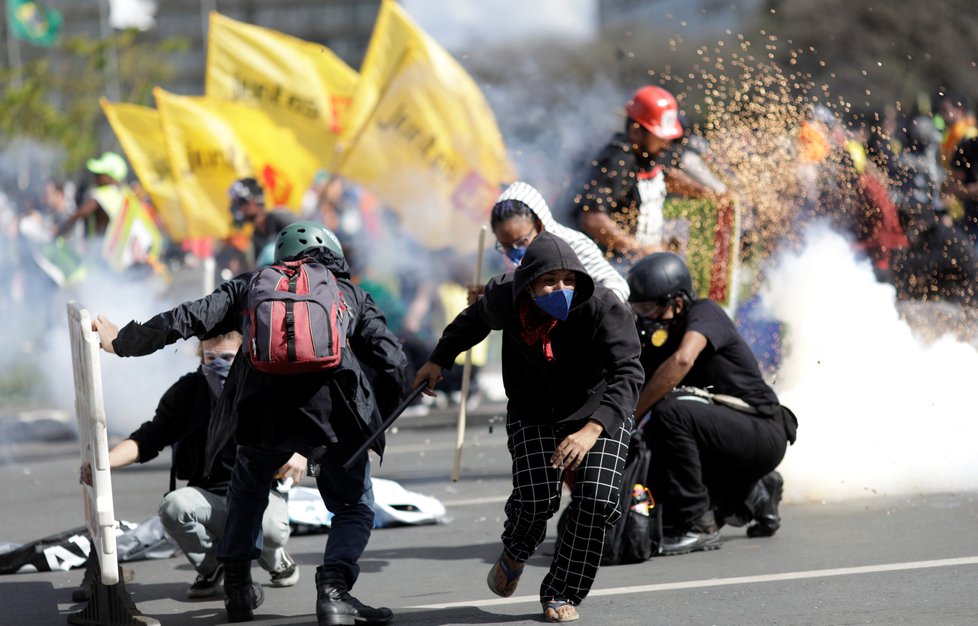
(32, 22)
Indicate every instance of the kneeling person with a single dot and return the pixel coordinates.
(713, 456)
(194, 515)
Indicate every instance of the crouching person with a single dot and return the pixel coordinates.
(194, 515)
(291, 389)
(717, 439)
(571, 372)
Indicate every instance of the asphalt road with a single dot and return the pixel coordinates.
(885, 560)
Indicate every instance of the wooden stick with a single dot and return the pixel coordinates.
(467, 371)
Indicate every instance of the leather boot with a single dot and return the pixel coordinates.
(703, 534)
(336, 607)
(241, 595)
(766, 515)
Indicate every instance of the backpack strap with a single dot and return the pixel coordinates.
(290, 318)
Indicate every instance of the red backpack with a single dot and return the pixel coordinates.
(296, 319)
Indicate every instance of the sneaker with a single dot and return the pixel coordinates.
(207, 586)
(701, 536)
(287, 577)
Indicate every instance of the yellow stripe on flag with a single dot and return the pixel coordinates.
(421, 136)
(301, 85)
(140, 133)
(213, 143)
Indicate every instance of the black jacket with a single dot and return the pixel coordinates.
(182, 419)
(595, 372)
(298, 411)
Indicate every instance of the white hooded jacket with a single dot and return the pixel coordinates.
(586, 250)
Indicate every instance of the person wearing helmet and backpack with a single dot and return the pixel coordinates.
(299, 387)
(716, 430)
(620, 202)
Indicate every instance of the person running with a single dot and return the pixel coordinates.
(271, 416)
(571, 372)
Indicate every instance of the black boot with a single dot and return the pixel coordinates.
(336, 607)
(241, 595)
(703, 534)
(766, 514)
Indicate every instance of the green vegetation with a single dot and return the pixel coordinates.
(54, 99)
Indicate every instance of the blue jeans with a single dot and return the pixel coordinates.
(348, 495)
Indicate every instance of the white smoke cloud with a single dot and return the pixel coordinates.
(880, 411)
(131, 387)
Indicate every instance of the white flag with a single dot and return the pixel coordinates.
(132, 14)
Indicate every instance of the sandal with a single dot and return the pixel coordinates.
(551, 611)
(512, 577)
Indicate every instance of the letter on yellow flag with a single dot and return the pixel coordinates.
(300, 84)
(213, 143)
(421, 136)
(140, 133)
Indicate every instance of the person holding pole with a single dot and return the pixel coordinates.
(572, 375)
(273, 415)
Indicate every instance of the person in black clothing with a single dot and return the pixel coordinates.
(571, 373)
(248, 206)
(194, 515)
(272, 416)
(621, 200)
(717, 439)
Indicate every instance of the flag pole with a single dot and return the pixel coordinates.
(467, 372)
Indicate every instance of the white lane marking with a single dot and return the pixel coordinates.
(471, 501)
(719, 582)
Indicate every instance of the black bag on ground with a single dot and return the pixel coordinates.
(637, 534)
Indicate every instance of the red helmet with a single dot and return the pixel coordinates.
(656, 110)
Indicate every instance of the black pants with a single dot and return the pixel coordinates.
(536, 497)
(708, 457)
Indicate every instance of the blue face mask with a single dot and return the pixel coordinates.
(516, 254)
(556, 303)
(216, 373)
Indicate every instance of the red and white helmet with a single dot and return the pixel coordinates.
(656, 110)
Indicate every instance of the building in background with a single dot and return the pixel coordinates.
(344, 26)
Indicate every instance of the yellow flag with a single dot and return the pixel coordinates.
(421, 136)
(211, 144)
(140, 133)
(300, 84)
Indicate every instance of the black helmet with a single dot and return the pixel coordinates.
(659, 277)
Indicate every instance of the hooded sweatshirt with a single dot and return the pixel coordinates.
(584, 247)
(595, 371)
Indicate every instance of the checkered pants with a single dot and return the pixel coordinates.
(536, 497)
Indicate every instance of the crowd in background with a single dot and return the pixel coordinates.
(900, 186)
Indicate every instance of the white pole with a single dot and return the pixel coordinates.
(467, 372)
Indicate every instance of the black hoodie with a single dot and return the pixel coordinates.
(298, 411)
(595, 372)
